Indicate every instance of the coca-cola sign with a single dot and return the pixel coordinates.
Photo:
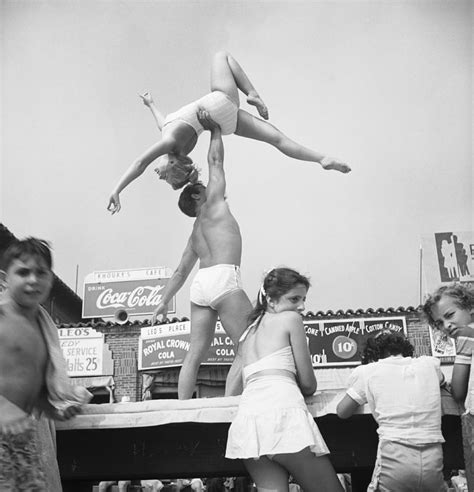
(137, 297)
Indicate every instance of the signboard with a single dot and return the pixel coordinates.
(447, 257)
(166, 345)
(331, 342)
(138, 292)
(85, 352)
(338, 342)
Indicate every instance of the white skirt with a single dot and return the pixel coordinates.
(273, 419)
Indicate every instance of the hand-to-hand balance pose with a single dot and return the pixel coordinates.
(216, 289)
(181, 130)
(273, 432)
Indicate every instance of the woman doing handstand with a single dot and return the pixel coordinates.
(181, 129)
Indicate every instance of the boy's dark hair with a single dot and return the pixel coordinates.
(384, 344)
(29, 246)
(462, 295)
(186, 203)
(276, 283)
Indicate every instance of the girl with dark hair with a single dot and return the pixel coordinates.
(182, 128)
(273, 431)
(384, 344)
(403, 394)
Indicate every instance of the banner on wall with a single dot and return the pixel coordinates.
(338, 342)
(138, 292)
(447, 257)
(331, 342)
(162, 346)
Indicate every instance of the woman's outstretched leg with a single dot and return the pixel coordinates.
(250, 127)
(228, 76)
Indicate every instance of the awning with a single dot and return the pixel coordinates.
(94, 382)
(207, 375)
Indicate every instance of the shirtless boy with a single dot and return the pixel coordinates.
(24, 358)
(217, 289)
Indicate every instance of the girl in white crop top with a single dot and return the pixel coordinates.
(273, 431)
(181, 130)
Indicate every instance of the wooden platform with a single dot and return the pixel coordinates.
(169, 438)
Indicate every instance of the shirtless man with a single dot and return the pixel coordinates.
(24, 358)
(217, 289)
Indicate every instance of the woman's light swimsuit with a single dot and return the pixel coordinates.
(272, 417)
(219, 106)
(280, 359)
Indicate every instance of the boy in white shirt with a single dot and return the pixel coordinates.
(403, 394)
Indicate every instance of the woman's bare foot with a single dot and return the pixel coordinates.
(256, 100)
(332, 163)
(146, 98)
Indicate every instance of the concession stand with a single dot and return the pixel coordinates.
(156, 436)
(135, 428)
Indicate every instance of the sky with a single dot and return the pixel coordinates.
(385, 86)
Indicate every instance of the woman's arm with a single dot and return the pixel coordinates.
(136, 169)
(159, 117)
(299, 345)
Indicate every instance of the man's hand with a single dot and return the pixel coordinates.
(161, 310)
(206, 121)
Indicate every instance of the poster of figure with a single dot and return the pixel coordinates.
(441, 344)
(447, 257)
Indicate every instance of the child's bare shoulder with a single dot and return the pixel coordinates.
(289, 315)
(6, 312)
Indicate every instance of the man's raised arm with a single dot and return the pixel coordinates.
(215, 157)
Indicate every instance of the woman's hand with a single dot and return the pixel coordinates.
(147, 99)
(114, 203)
